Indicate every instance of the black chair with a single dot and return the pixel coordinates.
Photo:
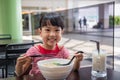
(2, 59)
(2, 52)
(13, 51)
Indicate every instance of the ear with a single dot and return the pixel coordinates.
(40, 32)
(62, 31)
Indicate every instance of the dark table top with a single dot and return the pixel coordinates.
(3, 43)
(10, 41)
(14, 41)
(83, 74)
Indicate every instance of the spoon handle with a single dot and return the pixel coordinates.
(74, 56)
(80, 52)
(71, 60)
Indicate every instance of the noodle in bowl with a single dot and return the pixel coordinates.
(52, 71)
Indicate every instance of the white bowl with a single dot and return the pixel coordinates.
(54, 72)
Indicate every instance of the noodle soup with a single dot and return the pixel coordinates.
(52, 71)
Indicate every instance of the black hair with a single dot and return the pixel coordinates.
(54, 18)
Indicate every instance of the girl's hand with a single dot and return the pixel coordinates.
(22, 64)
(79, 57)
(24, 60)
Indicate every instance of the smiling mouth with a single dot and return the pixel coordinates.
(52, 40)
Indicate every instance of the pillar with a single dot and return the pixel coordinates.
(104, 15)
(70, 15)
(11, 18)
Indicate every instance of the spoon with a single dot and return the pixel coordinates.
(59, 64)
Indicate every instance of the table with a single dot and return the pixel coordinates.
(14, 41)
(83, 74)
(3, 43)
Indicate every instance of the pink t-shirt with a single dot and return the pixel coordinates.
(36, 50)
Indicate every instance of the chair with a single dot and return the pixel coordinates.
(13, 51)
(2, 59)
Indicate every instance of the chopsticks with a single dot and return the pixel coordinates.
(42, 55)
(39, 55)
(36, 56)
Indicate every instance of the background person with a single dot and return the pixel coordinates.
(85, 23)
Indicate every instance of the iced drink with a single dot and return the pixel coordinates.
(99, 64)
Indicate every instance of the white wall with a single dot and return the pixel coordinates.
(49, 4)
(61, 4)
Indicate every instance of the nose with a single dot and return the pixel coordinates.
(52, 33)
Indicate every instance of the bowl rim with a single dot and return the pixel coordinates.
(41, 61)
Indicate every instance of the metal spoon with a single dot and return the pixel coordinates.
(59, 64)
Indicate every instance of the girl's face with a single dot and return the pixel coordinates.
(50, 36)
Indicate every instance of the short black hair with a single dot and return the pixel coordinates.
(54, 18)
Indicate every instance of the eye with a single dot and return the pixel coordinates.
(57, 30)
(47, 29)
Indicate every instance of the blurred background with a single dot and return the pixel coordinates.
(84, 20)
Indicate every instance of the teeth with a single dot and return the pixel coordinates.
(51, 39)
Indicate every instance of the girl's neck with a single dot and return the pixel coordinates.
(48, 47)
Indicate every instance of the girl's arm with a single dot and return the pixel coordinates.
(78, 59)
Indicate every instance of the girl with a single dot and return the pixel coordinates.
(51, 29)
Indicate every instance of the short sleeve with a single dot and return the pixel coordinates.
(64, 51)
(32, 51)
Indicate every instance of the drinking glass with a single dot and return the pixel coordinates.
(99, 63)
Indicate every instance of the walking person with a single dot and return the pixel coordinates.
(80, 21)
(85, 22)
